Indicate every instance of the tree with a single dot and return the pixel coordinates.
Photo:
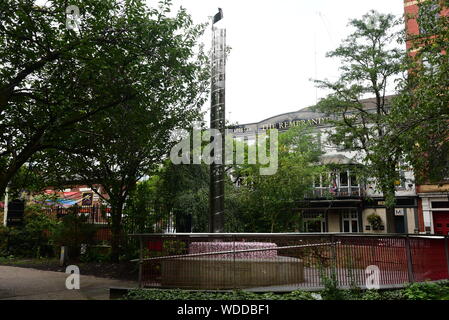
(420, 114)
(53, 79)
(268, 202)
(184, 193)
(124, 144)
(370, 61)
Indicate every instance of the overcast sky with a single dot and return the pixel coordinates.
(274, 48)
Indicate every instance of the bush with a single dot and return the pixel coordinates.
(96, 254)
(427, 291)
(177, 294)
(375, 221)
(130, 249)
(3, 241)
(73, 231)
(416, 291)
(30, 240)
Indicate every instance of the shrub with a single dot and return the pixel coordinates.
(3, 241)
(130, 249)
(331, 291)
(375, 221)
(73, 231)
(177, 294)
(427, 291)
(30, 240)
(417, 291)
(96, 254)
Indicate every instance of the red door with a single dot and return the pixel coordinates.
(441, 222)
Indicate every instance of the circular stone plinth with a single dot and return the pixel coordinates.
(205, 247)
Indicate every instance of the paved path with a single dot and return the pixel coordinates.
(31, 284)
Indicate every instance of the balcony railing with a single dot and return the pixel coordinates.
(324, 192)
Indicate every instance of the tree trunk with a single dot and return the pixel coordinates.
(389, 193)
(391, 228)
(116, 231)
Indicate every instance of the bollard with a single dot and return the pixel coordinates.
(64, 256)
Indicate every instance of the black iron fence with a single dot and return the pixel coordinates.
(279, 262)
(96, 214)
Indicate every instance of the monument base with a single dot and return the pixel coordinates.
(214, 274)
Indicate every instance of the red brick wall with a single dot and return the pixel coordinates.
(411, 25)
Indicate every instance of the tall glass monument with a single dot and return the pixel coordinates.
(217, 121)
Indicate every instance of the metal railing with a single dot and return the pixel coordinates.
(283, 262)
(322, 192)
(96, 214)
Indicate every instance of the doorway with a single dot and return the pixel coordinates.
(399, 224)
(441, 222)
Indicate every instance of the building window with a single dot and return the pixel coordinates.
(440, 204)
(350, 222)
(354, 181)
(317, 183)
(314, 223)
(344, 181)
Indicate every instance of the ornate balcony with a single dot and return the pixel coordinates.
(326, 192)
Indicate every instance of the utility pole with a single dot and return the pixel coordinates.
(217, 121)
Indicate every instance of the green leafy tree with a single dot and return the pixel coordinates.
(420, 113)
(370, 62)
(140, 214)
(53, 79)
(125, 143)
(268, 202)
(184, 193)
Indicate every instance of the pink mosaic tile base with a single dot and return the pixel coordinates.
(204, 247)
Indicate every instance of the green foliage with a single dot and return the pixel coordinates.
(3, 241)
(33, 239)
(130, 249)
(97, 105)
(96, 254)
(267, 202)
(184, 191)
(427, 291)
(375, 221)
(174, 247)
(73, 231)
(420, 113)
(331, 291)
(417, 291)
(370, 61)
(144, 294)
(140, 213)
(54, 80)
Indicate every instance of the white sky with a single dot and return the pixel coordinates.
(274, 44)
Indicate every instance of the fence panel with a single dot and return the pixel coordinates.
(279, 262)
(429, 258)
